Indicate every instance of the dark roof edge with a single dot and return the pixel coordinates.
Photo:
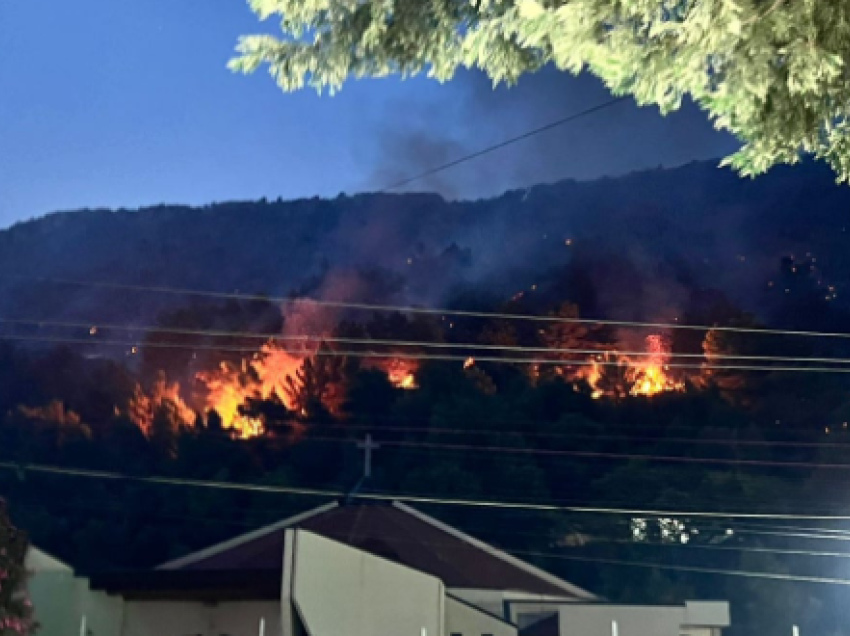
(533, 570)
(206, 553)
(501, 619)
(371, 554)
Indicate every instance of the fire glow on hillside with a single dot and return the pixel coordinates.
(618, 376)
(297, 370)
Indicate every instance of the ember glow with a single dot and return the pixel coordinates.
(144, 406)
(649, 374)
(401, 372)
(270, 373)
(617, 376)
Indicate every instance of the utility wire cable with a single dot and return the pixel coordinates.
(381, 496)
(595, 438)
(407, 309)
(604, 455)
(594, 539)
(316, 338)
(507, 142)
(421, 356)
(775, 576)
(794, 578)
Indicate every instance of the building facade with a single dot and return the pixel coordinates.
(346, 570)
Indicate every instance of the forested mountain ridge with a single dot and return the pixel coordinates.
(689, 226)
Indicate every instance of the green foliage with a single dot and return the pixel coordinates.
(15, 608)
(773, 72)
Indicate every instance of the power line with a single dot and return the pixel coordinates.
(686, 568)
(797, 535)
(425, 310)
(421, 356)
(593, 539)
(730, 548)
(474, 155)
(604, 455)
(317, 338)
(601, 438)
(761, 526)
(377, 496)
(567, 557)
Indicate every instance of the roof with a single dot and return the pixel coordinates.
(549, 626)
(394, 531)
(39, 561)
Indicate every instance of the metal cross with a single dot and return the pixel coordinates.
(368, 446)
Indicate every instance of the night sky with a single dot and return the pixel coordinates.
(126, 103)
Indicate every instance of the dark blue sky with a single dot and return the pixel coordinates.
(128, 103)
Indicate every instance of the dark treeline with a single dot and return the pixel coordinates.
(483, 430)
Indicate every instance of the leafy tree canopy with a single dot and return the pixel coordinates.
(773, 72)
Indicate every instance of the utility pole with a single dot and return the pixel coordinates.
(367, 447)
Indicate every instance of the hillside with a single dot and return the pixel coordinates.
(693, 226)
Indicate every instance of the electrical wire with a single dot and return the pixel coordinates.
(379, 496)
(424, 310)
(420, 356)
(596, 438)
(593, 539)
(603, 455)
(775, 576)
(316, 338)
(502, 144)
(612, 561)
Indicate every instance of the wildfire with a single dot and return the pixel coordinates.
(617, 376)
(401, 372)
(649, 375)
(53, 412)
(266, 376)
(163, 394)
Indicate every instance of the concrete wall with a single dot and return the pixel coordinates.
(340, 590)
(588, 619)
(468, 621)
(60, 600)
(493, 601)
(707, 613)
(179, 618)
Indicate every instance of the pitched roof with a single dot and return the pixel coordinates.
(396, 532)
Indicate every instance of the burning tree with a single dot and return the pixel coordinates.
(15, 608)
(319, 385)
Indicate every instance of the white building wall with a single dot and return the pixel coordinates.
(467, 621)
(493, 601)
(340, 590)
(61, 600)
(191, 618)
(243, 618)
(166, 618)
(693, 618)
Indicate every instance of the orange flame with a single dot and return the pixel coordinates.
(229, 387)
(649, 375)
(55, 411)
(142, 407)
(646, 376)
(400, 372)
